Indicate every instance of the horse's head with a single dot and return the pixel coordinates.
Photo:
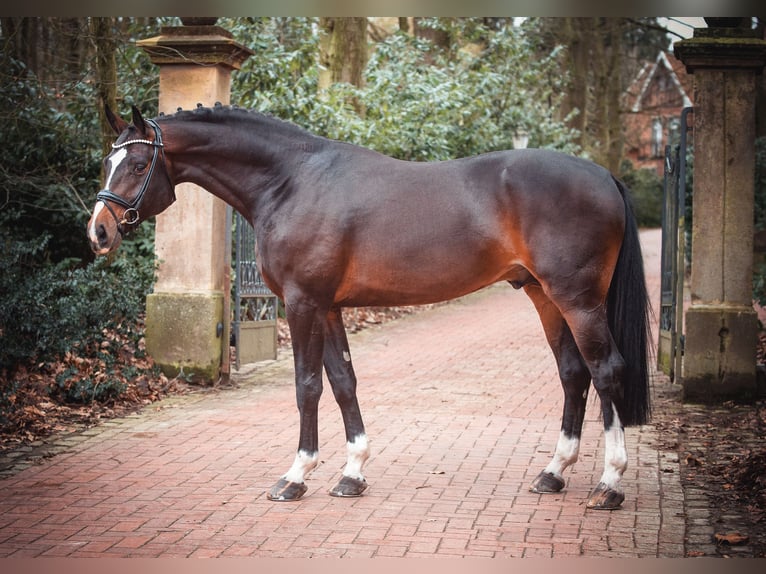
(136, 186)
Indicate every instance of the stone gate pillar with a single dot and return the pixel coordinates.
(185, 322)
(721, 325)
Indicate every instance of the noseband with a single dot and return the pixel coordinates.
(131, 215)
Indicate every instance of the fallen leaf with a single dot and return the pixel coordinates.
(692, 460)
(694, 553)
(731, 538)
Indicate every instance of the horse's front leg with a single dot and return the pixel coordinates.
(340, 372)
(575, 379)
(307, 328)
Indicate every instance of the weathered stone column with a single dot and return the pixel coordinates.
(721, 325)
(185, 314)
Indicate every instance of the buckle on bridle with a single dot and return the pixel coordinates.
(134, 216)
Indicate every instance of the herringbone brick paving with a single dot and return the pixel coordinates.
(462, 407)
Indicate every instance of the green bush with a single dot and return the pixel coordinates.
(51, 140)
(49, 309)
(84, 389)
(8, 403)
(68, 334)
(48, 161)
(418, 103)
(646, 191)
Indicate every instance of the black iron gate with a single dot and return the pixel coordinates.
(671, 339)
(254, 306)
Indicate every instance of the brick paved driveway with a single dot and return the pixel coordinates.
(462, 407)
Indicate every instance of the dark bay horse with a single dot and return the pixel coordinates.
(339, 225)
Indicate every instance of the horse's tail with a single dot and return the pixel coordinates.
(628, 315)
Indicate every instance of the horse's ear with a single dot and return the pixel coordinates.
(117, 123)
(138, 121)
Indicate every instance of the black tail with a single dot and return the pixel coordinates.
(628, 315)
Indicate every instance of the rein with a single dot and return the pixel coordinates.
(131, 215)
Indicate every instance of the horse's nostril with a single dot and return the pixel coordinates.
(101, 234)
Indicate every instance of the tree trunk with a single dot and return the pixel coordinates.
(20, 40)
(598, 138)
(440, 38)
(614, 134)
(102, 31)
(606, 143)
(595, 61)
(342, 51)
(576, 31)
(54, 49)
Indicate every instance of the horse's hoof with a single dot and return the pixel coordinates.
(546, 482)
(285, 491)
(348, 487)
(605, 498)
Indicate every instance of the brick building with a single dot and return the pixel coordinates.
(653, 105)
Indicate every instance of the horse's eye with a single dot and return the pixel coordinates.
(139, 168)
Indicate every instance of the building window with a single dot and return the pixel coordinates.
(657, 138)
(674, 132)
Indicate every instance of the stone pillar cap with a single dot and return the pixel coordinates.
(701, 52)
(204, 45)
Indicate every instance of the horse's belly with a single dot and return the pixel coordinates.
(419, 280)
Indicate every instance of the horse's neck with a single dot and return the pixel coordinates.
(233, 161)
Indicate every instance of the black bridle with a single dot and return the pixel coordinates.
(131, 215)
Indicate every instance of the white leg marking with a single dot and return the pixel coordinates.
(567, 450)
(303, 464)
(615, 454)
(358, 452)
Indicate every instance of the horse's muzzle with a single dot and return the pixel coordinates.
(102, 236)
(99, 239)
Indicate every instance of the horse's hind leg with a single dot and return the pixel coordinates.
(340, 372)
(575, 380)
(591, 332)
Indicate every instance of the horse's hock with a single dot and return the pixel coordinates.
(185, 324)
(721, 325)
